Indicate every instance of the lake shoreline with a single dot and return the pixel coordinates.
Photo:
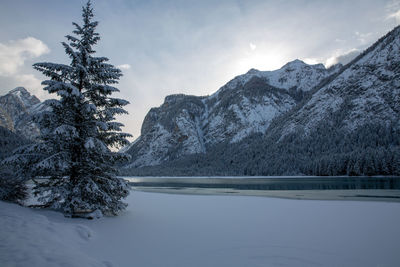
(385, 189)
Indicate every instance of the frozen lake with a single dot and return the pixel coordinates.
(299, 187)
(210, 226)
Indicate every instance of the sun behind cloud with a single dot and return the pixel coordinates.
(261, 59)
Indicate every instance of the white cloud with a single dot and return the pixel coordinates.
(14, 54)
(395, 15)
(342, 58)
(363, 37)
(341, 41)
(124, 67)
(311, 61)
(252, 46)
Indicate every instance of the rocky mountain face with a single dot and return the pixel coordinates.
(346, 124)
(185, 125)
(366, 91)
(16, 111)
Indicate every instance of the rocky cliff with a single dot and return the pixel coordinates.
(16, 110)
(247, 104)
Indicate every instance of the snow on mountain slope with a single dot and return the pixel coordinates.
(247, 109)
(6, 120)
(170, 131)
(16, 111)
(185, 125)
(25, 97)
(293, 75)
(367, 91)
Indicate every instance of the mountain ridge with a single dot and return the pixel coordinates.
(347, 122)
(17, 109)
(185, 125)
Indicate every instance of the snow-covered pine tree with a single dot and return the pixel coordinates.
(79, 131)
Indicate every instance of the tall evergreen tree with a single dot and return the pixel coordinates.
(79, 131)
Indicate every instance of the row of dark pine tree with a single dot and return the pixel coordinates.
(369, 150)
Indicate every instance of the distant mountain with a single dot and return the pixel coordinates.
(300, 119)
(185, 125)
(16, 110)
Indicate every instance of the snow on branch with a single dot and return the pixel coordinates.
(66, 130)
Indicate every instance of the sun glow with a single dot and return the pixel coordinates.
(258, 59)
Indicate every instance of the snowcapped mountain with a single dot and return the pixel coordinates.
(347, 124)
(366, 91)
(295, 75)
(248, 103)
(185, 125)
(16, 110)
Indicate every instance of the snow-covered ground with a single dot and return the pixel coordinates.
(191, 230)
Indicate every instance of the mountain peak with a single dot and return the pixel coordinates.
(253, 71)
(19, 90)
(365, 90)
(24, 96)
(294, 63)
(352, 110)
(16, 111)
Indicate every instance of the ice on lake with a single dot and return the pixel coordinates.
(161, 229)
(293, 187)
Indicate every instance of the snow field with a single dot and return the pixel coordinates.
(190, 230)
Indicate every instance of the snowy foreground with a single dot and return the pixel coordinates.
(190, 230)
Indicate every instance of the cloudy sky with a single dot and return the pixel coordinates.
(191, 47)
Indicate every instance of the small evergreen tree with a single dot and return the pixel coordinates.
(79, 131)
